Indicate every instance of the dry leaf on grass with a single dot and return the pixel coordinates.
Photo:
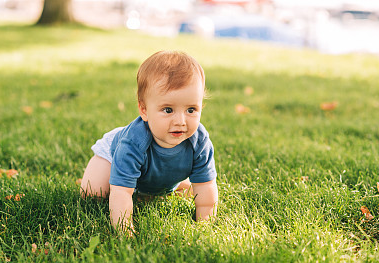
(17, 197)
(121, 106)
(11, 173)
(27, 109)
(367, 213)
(377, 186)
(248, 90)
(241, 109)
(34, 248)
(329, 106)
(46, 104)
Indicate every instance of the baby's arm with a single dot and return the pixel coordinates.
(206, 198)
(121, 206)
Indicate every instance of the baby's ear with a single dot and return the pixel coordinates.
(142, 110)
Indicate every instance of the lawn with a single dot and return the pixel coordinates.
(292, 176)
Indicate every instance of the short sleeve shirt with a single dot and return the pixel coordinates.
(139, 162)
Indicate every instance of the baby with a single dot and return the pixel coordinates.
(166, 149)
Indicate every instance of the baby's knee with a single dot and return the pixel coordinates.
(93, 189)
(95, 180)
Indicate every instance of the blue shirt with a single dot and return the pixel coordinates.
(139, 162)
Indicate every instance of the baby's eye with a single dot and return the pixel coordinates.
(167, 110)
(191, 110)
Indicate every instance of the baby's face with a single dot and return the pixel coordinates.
(173, 116)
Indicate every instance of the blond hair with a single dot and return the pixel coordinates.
(171, 70)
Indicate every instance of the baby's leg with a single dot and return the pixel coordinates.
(185, 188)
(95, 180)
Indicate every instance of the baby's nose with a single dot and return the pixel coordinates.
(179, 119)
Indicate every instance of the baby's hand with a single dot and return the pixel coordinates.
(206, 198)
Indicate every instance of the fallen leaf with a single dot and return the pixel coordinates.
(329, 106)
(11, 173)
(34, 248)
(18, 197)
(248, 90)
(121, 106)
(367, 213)
(78, 181)
(8, 197)
(27, 109)
(46, 104)
(364, 210)
(377, 186)
(241, 109)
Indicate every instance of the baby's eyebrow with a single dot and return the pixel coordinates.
(169, 103)
(165, 105)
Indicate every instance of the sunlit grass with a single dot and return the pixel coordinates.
(292, 177)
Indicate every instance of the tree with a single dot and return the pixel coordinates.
(56, 11)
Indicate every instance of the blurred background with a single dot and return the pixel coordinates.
(334, 26)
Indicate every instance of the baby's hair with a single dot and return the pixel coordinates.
(171, 70)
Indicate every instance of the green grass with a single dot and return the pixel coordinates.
(267, 213)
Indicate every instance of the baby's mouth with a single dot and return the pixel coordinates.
(177, 133)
